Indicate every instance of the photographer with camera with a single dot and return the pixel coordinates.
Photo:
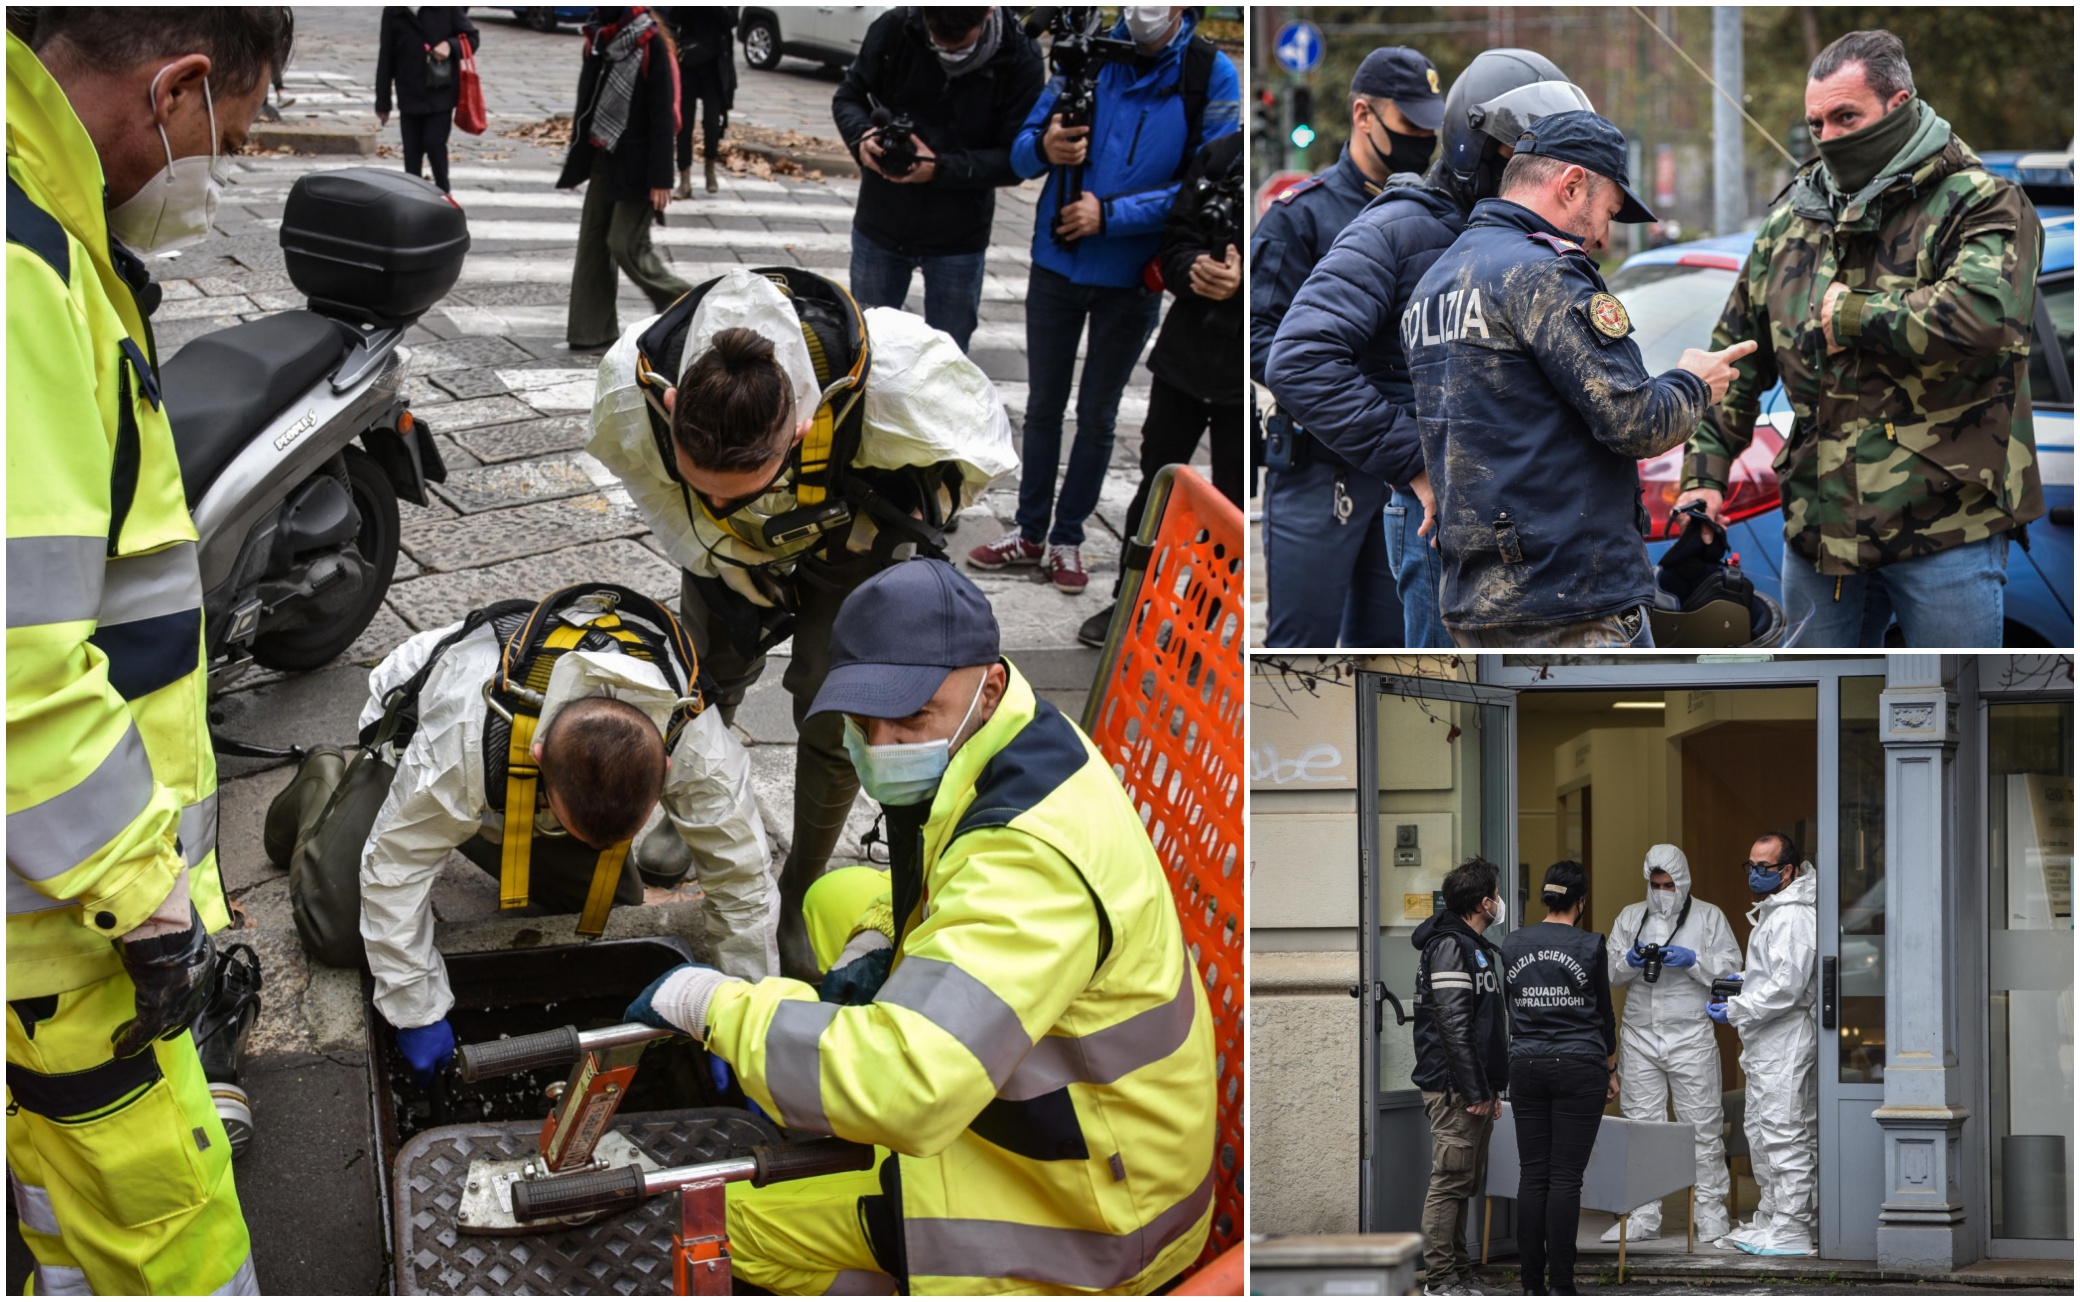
(1155, 92)
(1667, 1054)
(930, 108)
(1196, 388)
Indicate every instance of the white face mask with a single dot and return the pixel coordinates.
(1660, 903)
(1146, 23)
(1499, 914)
(175, 208)
(904, 773)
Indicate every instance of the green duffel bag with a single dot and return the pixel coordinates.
(318, 828)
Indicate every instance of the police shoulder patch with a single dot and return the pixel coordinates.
(1555, 243)
(1607, 314)
(1298, 188)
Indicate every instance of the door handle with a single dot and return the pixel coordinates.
(1382, 997)
(1830, 991)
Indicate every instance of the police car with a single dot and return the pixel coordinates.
(1675, 295)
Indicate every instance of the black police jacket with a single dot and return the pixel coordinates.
(968, 121)
(1296, 229)
(1534, 409)
(1462, 1032)
(1559, 993)
(1201, 337)
(1337, 365)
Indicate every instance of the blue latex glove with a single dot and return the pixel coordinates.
(1634, 959)
(1678, 956)
(427, 1049)
(718, 1071)
(641, 1010)
(1716, 1010)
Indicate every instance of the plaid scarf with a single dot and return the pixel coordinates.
(624, 52)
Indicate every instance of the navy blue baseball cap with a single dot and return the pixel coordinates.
(899, 634)
(1587, 140)
(1404, 76)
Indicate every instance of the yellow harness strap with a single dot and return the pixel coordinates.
(606, 876)
(521, 776)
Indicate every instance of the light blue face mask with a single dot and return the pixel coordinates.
(904, 773)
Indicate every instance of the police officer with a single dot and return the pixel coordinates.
(1337, 364)
(1536, 406)
(1326, 558)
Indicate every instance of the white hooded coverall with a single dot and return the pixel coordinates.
(1667, 1052)
(1780, 1057)
(437, 802)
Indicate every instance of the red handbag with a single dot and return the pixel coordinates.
(469, 92)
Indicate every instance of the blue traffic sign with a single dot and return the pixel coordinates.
(1298, 47)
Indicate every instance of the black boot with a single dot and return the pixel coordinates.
(221, 1030)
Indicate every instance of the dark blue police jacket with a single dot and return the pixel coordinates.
(1534, 408)
(1292, 235)
(1337, 365)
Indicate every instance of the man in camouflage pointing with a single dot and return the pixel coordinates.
(1891, 289)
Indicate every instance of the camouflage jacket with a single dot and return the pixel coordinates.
(1917, 436)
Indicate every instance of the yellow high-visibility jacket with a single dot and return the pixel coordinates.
(1041, 1057)
(111, 784)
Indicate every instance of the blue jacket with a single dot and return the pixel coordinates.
(1137, 156)
(1534, 409)
(1337, 365)
(1296, 229)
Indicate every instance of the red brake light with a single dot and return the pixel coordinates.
(1722, 261)
(1752, 492)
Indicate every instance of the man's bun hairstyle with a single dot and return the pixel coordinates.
(735, 407)
(604, 761)
(1567, 882)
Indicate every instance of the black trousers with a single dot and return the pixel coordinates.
(1170, 436)
(426, 140)
(1558, 1105)
(701, 88)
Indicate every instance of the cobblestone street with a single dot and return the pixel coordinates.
(525, 511)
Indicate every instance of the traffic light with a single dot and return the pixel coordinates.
(1303, 117)
(1266, 123)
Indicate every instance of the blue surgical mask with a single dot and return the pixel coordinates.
(1763, 883)
(904, 773)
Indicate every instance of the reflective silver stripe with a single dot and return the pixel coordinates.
(963, 1007)
(58, 835)
(61, 1281)
(199, 829)
(54, 580)
(23, 898)
(1105, 1056)
(245, 1283)
(861, 1283)
(144, 587)
(1074, 1258)
(1452, 979)
(33, 1204)
(794, 1063)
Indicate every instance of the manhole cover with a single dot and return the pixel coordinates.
(628, 1254)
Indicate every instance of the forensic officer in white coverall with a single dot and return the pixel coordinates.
(1667, 1053)
(1780, 1047)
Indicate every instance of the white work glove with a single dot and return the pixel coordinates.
(678, 1000)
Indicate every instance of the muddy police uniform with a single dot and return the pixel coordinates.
(1534, 408)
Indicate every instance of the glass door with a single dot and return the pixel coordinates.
(1434, 789)
(1850, 854)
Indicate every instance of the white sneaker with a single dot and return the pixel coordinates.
(1641, 1231)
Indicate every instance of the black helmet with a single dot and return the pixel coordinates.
(1500, 93)
(1701, 598)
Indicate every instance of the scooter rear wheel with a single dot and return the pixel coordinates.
(375, 501)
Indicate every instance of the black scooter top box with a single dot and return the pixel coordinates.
(372, 245)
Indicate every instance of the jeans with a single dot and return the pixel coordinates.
(1458, 1169)
(1121, 321)
(952, 283)
(1558, 1106)
(1418, 572)
(1327, 581)
(426, 141)
(1948, 598)
(1627, 628)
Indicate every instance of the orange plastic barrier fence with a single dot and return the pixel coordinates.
(1166, 709)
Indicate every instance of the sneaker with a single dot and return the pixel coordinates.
(1065, 567)
(1094, 629)
(1011, 549)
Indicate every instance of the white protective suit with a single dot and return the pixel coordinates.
(1780, 1045)
(437, 802)
(925, 403)
(1666, 1049)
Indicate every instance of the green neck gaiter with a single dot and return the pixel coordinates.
(1855, 160)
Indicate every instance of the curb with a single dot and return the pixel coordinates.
(838, 164)
(313, 138)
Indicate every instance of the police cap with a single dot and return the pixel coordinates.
(1403, 75)
(1586, 140)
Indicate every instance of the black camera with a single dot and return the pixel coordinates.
(1650, 962)
(1725, 988)
(898, 137)
(1220, 211)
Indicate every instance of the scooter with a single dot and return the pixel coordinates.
(294, 438)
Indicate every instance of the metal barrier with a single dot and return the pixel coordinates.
(1166, 709)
